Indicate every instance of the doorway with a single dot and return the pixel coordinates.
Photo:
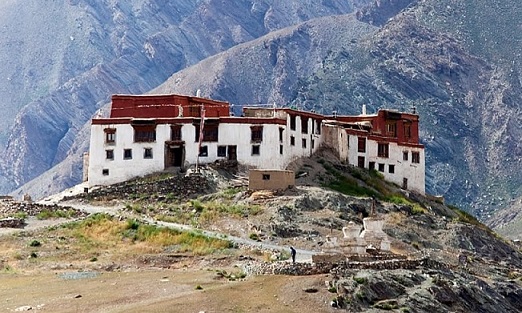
(232, 153)
(174, 156)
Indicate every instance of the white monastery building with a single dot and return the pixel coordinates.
(150, 133)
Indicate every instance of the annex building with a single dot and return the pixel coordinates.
(150, 133)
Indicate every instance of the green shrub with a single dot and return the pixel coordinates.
(35, 243)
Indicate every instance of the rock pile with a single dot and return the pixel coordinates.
(12, 208)
(171, 189)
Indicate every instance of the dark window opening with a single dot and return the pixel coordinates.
(222, 151)
(292, 140)
(203, 151)
(405, 155)
(266, 176)
(175, 133)
(391, 168)
(361, 144)
(127, 154)
(210, 132)
(105, 172)
(147, 153)
(381, 167)
(304, 125)
(281, 130)
(304, 143)
(292, 122)
(391, 129)
(280, 149)
(256, 133)
(256, 149)
(383, 150)
(318, 129)
(313, 144)
(415, 157)
(361, 161)
(371, 166)
(407, 130)
(109, 154)
(110, 135)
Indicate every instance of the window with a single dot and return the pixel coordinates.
(266, 176)
(203, 151)
(391, 168)
(405, 155)
(304, 143)
(304, 125)
(110, 135)
(391, 129)
(415, 157)
(318, 128)
(361, 144)
(360, 161)
(256, 149)
(281, 130)
(292, 140)
(210, 132)
(175, 132)
(105, 172)
(381, 167)
(256, 133)
(280, 149)
(383, 150)
(371, 165)
(313, 143)
(222, 151)
(147, 153)
(407, 130)
(109, 154)
(144, 131)
(195, 111)
(127, 154)
(292, 122)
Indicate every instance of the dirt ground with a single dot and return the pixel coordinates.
(163, 291)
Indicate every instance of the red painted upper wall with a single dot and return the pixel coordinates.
(165, 106)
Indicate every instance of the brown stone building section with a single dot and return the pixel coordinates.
(270, 179)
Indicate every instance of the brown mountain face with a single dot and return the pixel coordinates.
(457, 63)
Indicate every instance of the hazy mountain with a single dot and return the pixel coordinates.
(456, 62)
(63, 60)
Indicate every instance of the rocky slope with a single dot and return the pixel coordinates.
(69, 67)
(446, 260)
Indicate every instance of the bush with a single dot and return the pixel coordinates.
(35, 243)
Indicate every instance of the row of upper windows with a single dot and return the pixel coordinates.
(316, 125)
(383, 151)
(210, 133)
(127, 154)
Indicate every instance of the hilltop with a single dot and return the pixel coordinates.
(249, 232)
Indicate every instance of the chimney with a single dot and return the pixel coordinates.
(198, 93)
(364, 109)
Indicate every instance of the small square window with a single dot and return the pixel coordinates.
(222, 151)
(127, 154)
(304, 143)
(266, 176)
(256, 149)
(292, 140)
(105, 172)
(391, 168)
(381, 167)
(110, 135)
(147, 153)
(109, 154)
(203, 151)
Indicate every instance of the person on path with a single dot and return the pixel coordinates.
(292, 252)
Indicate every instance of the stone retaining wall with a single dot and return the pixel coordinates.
(299, 269)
